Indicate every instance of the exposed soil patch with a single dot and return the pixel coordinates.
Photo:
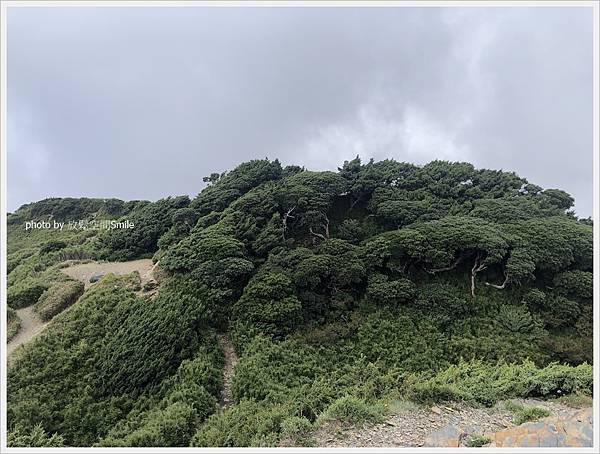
(231, 360)
(85, 271)
(31, 326)
(411, 428)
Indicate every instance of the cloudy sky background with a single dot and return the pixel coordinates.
(141, 103)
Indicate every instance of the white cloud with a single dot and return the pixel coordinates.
(376, 132)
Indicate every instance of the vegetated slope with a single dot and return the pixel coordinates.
(339, 290)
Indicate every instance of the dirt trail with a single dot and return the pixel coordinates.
(31, 325)
(84, 271)
(230, 361)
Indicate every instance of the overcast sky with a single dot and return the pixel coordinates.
(141, 103)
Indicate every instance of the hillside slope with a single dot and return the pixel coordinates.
(340, 291)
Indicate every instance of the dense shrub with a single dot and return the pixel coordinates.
(188, 398)
(269, 304)
(151, 221)
(381, 290)
(487, 383)
(57, 298)
(13, 323)
(249, 423)
(52, 246)
(36, 437)
(577, 283)
(349, 409)
(25, 294)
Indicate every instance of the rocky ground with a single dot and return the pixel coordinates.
(453, 423)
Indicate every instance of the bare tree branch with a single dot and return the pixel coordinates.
(325, 228)
(320, 235)
(288, 214)
(477, 267)
(447, 268)
(500, 287)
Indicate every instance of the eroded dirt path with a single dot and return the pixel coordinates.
(31, 326)
(231, 360)
(84, 271)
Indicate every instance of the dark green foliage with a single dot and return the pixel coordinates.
(151, 221)
(230, 186)
(25, 294)
(382, 290)
(351, 231)
(199, 248)
(249, 423)
(63, 402)
(103, 379)
(269, 304)
(66, 209)
(182, 402)
(52, 246)
(577, 283)
(164, 330)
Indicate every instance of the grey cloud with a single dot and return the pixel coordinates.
(143, 102)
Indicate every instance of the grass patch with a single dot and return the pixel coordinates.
(477, 441)
(525, 414)
(295, 431)
(577, 400)
(397, 406)
(350, 409)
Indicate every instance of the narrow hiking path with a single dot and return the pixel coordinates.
(31, 326)
(231, 360)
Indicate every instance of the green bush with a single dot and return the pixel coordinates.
(25, 294)
(52, 246)
(578, 283)
(36, 437)
(525, 414)
(486, 384)
(349, 409)
(13, 323)
(269, 304)
(57, 298)
(383, 291)
(477, 441)
(247, 424)
(295, 431)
